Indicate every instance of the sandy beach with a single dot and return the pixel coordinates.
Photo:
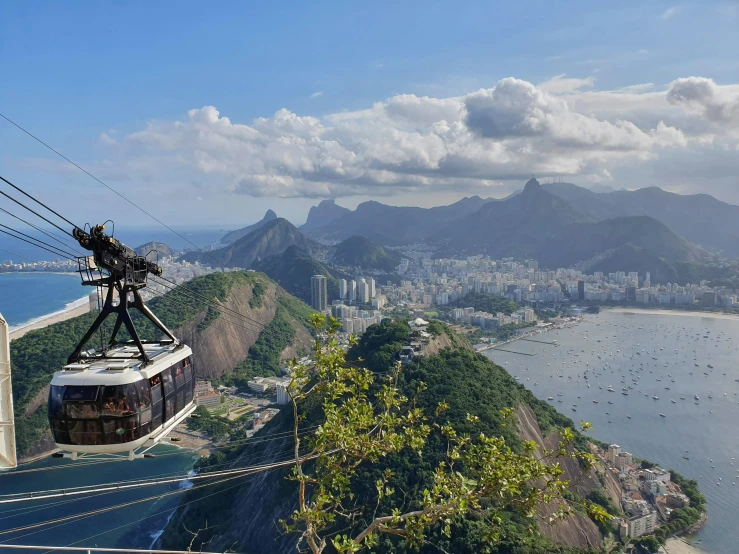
(679, 546)
(682, 313)
(50, 320)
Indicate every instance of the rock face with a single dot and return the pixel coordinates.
(160, 249)
(576, 530)
(323, 214)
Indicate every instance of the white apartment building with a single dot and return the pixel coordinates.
(642, 525)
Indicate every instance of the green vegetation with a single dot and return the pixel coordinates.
(486, 302)
(358, 251)
(257, 291)
(292, 271)
(217, 427)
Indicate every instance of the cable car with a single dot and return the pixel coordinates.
(126, 396)
(112, 404)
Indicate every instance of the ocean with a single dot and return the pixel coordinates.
(26, 297)
(133, 526)
(667, 356)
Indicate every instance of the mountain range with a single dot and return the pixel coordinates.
(699, 218)
(387, 225)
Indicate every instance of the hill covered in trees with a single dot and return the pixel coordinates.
(471, 385)
(361, 252)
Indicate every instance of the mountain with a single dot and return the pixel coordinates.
(698, 218)
(516, 226)
(323, 214)
(225, 345)
(272, 238)
(146, 250)
(293, 269)
(233, 236)
(543, 226)
(394, 225)
(581, 241)
(361, 252)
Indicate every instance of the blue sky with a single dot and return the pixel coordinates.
(73, 71)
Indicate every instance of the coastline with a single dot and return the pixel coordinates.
(73, 309)
(679, 546)
(681, 313)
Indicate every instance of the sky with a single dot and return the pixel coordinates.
(209, 114)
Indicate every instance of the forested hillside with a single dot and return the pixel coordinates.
(248, 514)
(223, 342)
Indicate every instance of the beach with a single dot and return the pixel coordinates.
(679, 546)
(681, 313)
(80, 307)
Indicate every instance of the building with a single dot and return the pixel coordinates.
(318, 293)
(208, 399)
(363, 291)
(623, 459)
(352, 293)
(657, 474)
(613, 451)
(642, 524)
(581, 290)
(202, 387)
(343, 289)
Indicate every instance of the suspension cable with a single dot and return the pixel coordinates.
(38, 240)
(37, 228)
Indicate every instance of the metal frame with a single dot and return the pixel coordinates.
(129, 282)
(8, 457)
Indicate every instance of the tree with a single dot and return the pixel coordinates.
(361, 422)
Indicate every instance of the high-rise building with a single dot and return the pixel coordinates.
(581, 290)
(318, 292)
(363, 291)
(352, 291)
(343, 289)
(372, 291)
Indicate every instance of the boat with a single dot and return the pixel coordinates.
(655, 397)
(550, 398)
(625, 393)
(709, 366)
(662, 415)
(673, 401)
(685, 458)
(696, 397)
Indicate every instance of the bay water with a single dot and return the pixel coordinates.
(669, 356)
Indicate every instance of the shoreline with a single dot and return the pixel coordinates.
(73, 309)
(680, 313)
(676, 545)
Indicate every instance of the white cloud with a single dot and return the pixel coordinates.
(561, 84)
(106, 139)
(317, 94)
(670, 12)
(411, 144)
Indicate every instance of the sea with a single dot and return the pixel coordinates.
(27, 297)
(672, 357)
(136, 525)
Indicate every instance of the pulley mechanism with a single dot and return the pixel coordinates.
(115, 268)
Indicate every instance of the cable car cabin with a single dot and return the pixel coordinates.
(112, 405)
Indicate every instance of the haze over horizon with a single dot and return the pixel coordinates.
(213, 119)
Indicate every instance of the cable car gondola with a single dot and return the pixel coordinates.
(124, 397)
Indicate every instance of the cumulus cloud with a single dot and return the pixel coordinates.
(472, 142)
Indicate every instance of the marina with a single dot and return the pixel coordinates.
(639, 355)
